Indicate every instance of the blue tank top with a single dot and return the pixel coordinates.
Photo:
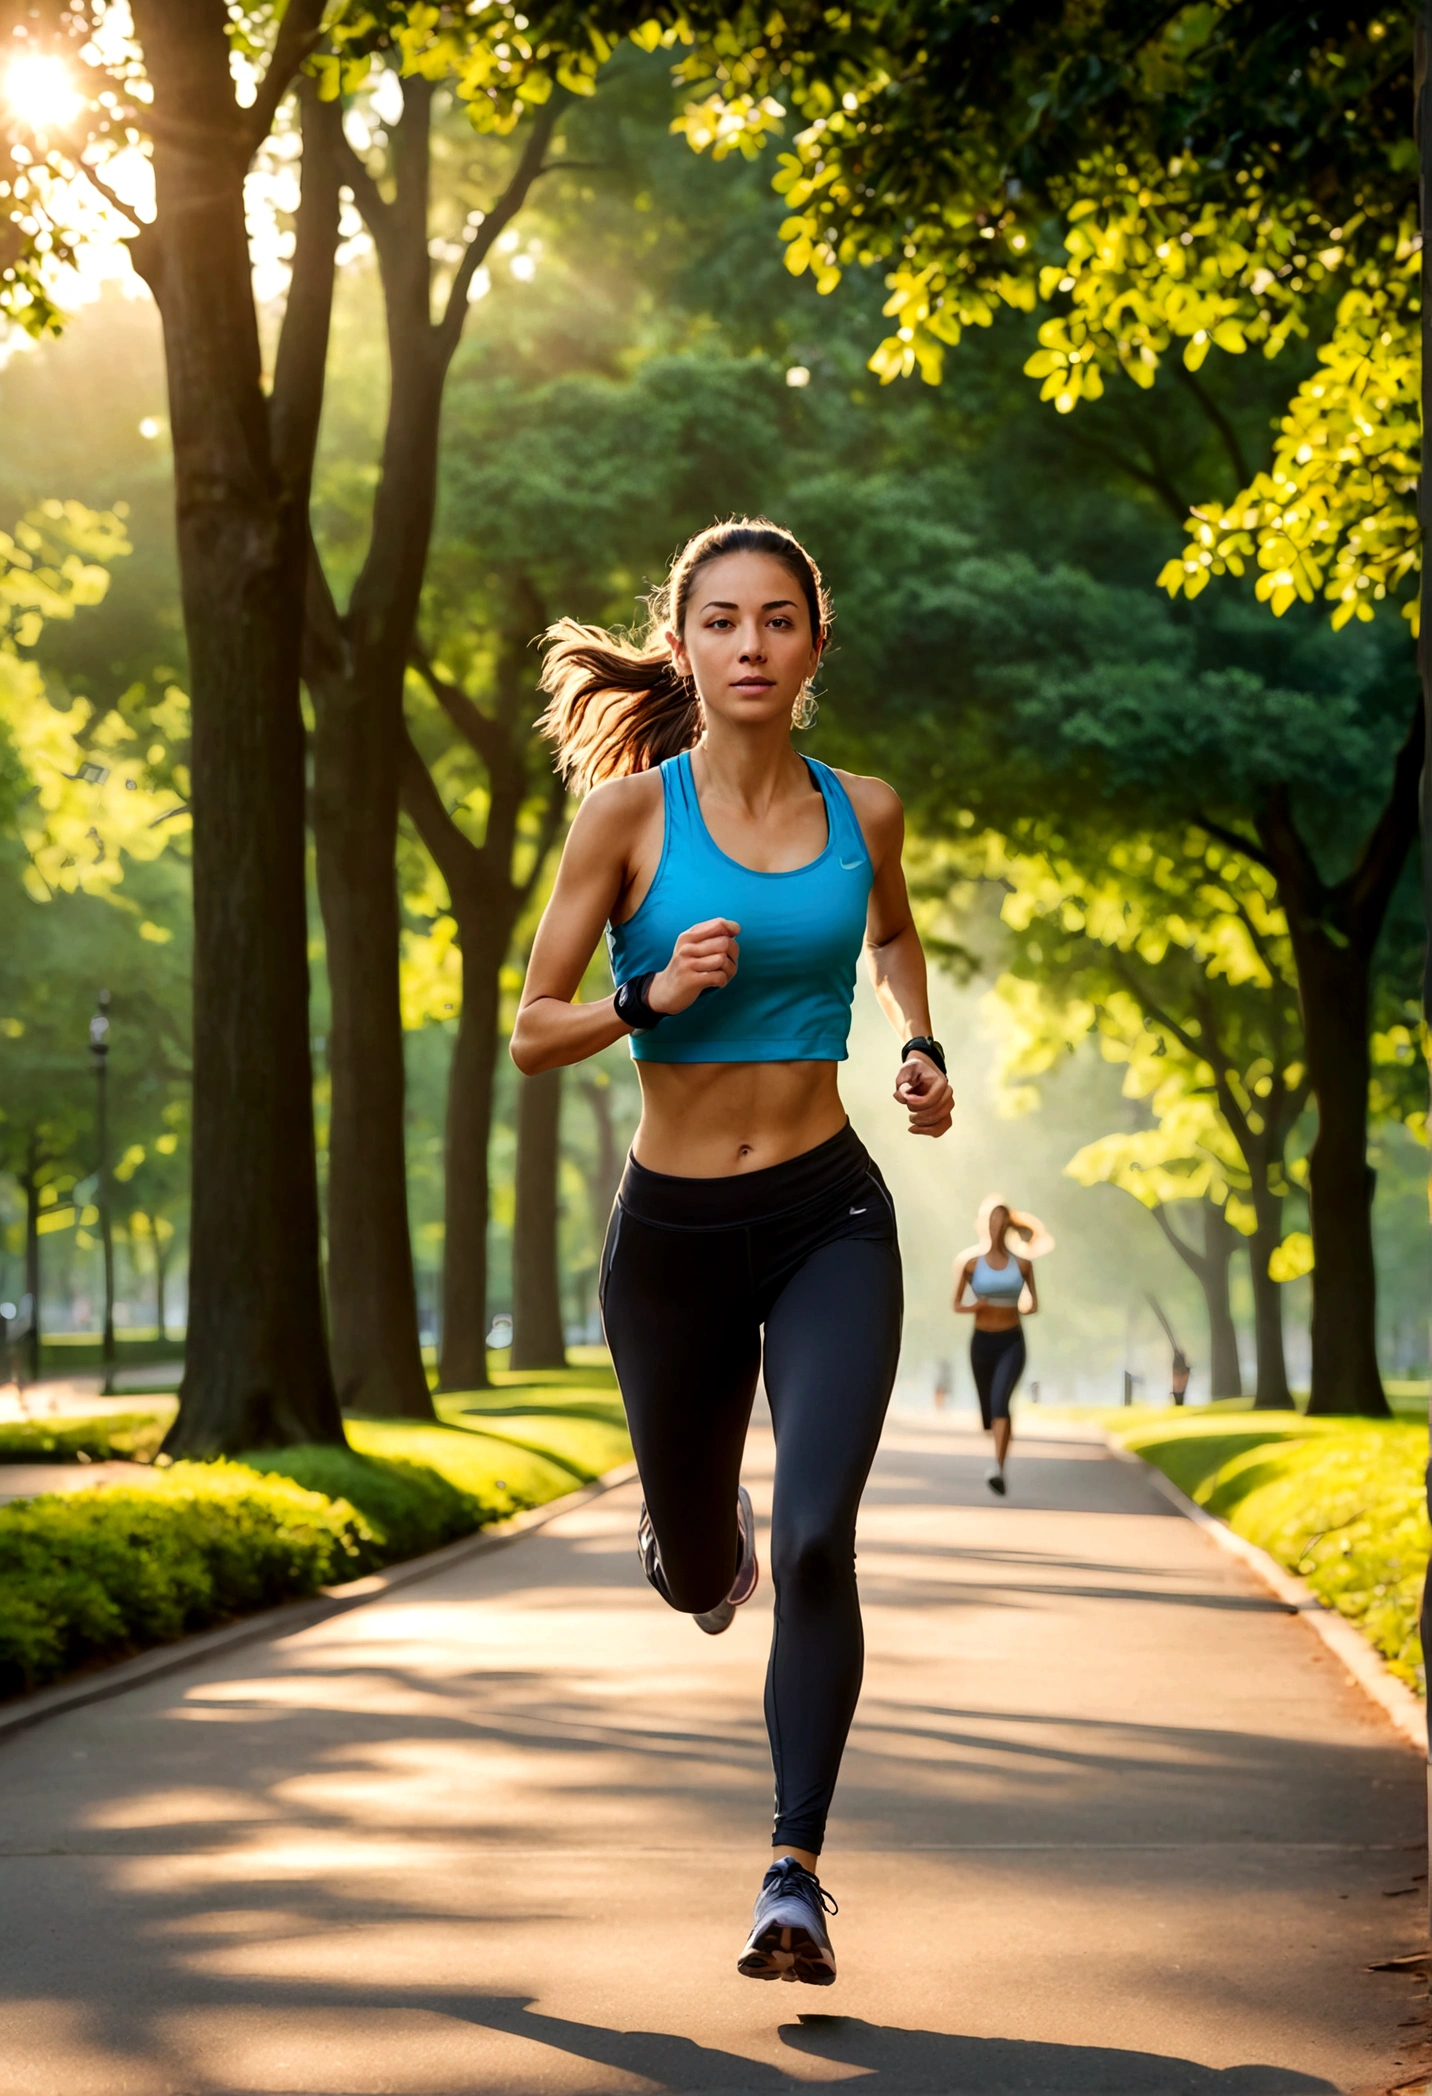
(997, 1284)
(801, 935)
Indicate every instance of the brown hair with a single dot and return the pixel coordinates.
(620, 705)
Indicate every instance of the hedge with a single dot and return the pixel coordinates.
(1341, 1502)
(133, 1437)
(102, 1572)
(97, 1574)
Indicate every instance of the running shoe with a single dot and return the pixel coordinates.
(712, 1620)
(748, 1571)
(996, 1482)
(789, 1939)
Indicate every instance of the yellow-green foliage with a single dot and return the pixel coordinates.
(99, 1572)
(132, 1437)
(1341, 1502)
(96, 1574)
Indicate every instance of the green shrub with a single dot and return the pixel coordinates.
(99, 1573)
(1341, 1502)
(407, 1507)
(105, 1571)
(129, 1436)
(1348, 1513)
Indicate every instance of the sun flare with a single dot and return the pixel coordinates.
(40, 91)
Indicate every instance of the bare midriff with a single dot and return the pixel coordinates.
(713, 1120)
(995, 1317)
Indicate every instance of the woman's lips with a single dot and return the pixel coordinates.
(752, 683)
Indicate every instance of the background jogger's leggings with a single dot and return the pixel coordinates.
(693, 1269)
(997, 1359)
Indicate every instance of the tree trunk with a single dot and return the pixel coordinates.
(161, 1267)
(606, 1173)
(358, 667)
(1220, 1241)
(257, 1372)
(372, 1295)
(1333, 982)
(469, 1128)
(32, 1256)
(1272, 1393)
(537, 1337)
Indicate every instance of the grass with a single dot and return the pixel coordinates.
(1341, 1502)
(95, 1575)
(71, 1353)
(132, 1437)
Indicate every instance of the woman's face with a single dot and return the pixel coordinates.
(746, 640)
(998, 1224)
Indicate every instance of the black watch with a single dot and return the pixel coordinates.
(926, 1046)
(631, 1007)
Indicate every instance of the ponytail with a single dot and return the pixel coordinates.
(614, 707)
(617, 706)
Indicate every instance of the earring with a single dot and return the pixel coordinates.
(805, 709)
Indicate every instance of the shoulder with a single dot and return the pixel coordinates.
(878, 807)
(610, 810)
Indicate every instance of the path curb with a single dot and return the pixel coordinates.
(1407, 1711)
(290, 1616)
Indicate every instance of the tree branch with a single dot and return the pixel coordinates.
(552, 818)
(1369, 887)
(1151, 476)
(296, 402)
(1152, 1009)
(377, 213)
(115, 202)
(1259, 945)
(529, 166)
(466, 716)
(453, 852)
(1289, 858)
(325, 642)
(1194, 1261)
(1248, 846)
(298, 34)
(1213, 413)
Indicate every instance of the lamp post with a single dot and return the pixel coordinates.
(99, 1049)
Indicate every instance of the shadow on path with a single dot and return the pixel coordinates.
(907, 2061)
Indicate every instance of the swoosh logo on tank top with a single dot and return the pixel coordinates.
(851, 865)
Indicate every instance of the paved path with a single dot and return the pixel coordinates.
(1112, 1821)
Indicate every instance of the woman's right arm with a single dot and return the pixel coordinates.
(551, 1031)
(959, 1305)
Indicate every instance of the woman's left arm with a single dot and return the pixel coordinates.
(897, 959)
(1026, 1267)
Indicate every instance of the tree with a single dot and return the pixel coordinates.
(537, 1336)
(257, 1370)
(1054, 699)
(356, 669)
(1181, 966)
(489, 885)
(1175, 146)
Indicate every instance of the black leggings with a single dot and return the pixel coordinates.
(693, 1268)
(997, 1359)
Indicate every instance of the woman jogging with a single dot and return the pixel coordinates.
(738, 881)
(998, 1276)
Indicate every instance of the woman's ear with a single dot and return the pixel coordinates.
(678, 651)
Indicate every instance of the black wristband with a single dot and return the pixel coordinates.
(926, 1046)
(631, 1007)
